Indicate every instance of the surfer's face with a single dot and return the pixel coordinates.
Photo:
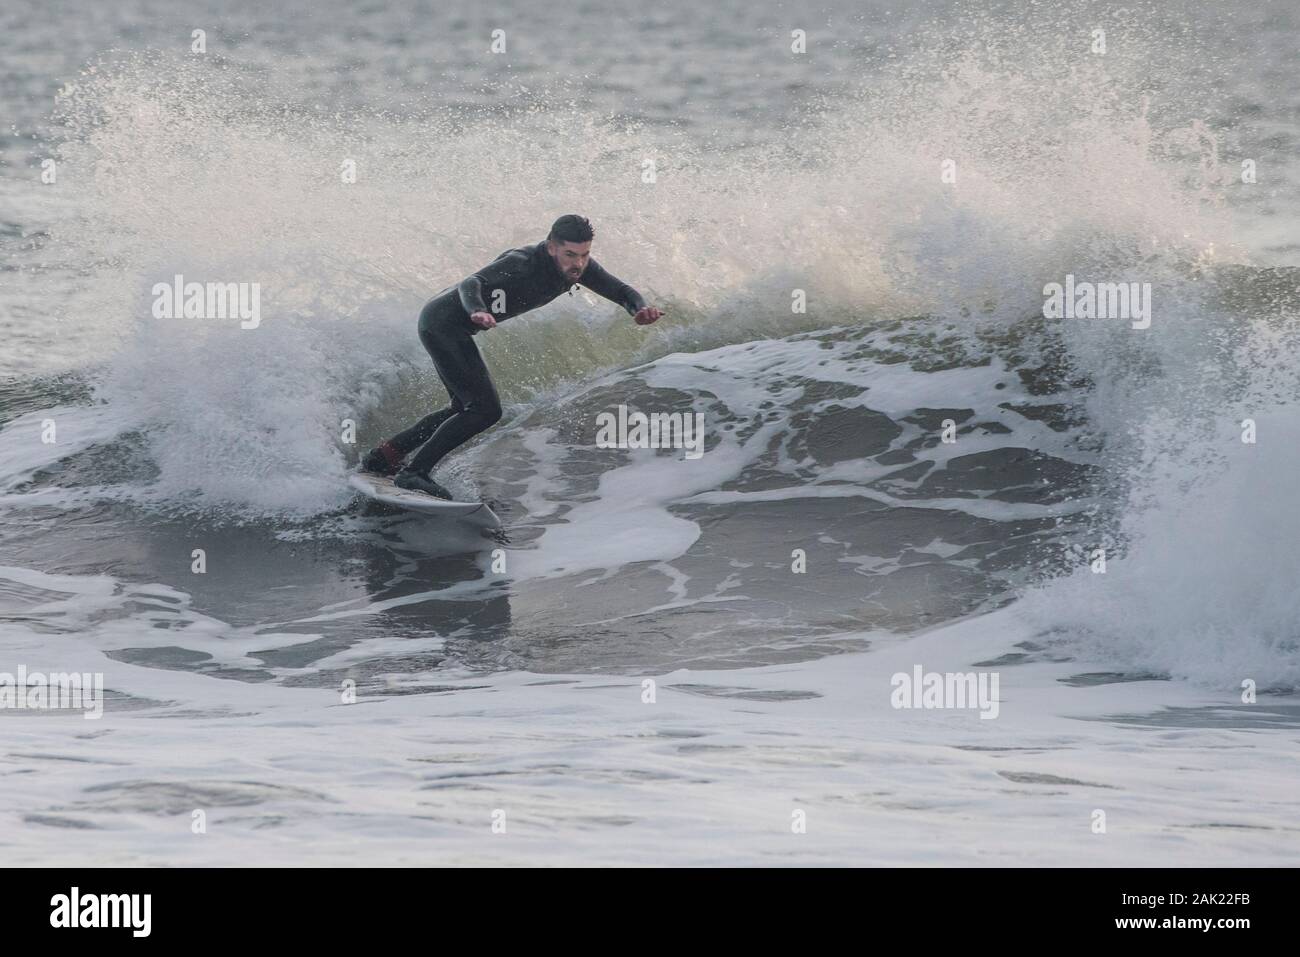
(570, 258)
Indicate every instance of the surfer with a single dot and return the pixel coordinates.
(515, 282)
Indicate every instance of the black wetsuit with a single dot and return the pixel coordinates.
(515, 282)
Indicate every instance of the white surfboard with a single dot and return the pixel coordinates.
(382, 489)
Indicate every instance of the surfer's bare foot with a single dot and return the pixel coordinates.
(382, 460)
(415, 482)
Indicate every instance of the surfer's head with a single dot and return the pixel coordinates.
(569, 244)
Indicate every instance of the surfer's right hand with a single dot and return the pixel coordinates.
(483, 319)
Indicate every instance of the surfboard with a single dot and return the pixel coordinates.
(382, 489)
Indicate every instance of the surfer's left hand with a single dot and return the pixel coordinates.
(647, 315)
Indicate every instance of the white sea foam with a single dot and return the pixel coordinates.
(709, 774)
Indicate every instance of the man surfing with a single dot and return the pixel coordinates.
(515, 282)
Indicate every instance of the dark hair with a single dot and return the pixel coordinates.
(572, 229)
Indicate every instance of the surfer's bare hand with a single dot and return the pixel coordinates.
(647, 315)
(483, 319)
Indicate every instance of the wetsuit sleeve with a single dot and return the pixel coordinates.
(471, 294)
(495, 274)
(595, 278)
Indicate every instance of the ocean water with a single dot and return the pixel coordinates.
(658, 659)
